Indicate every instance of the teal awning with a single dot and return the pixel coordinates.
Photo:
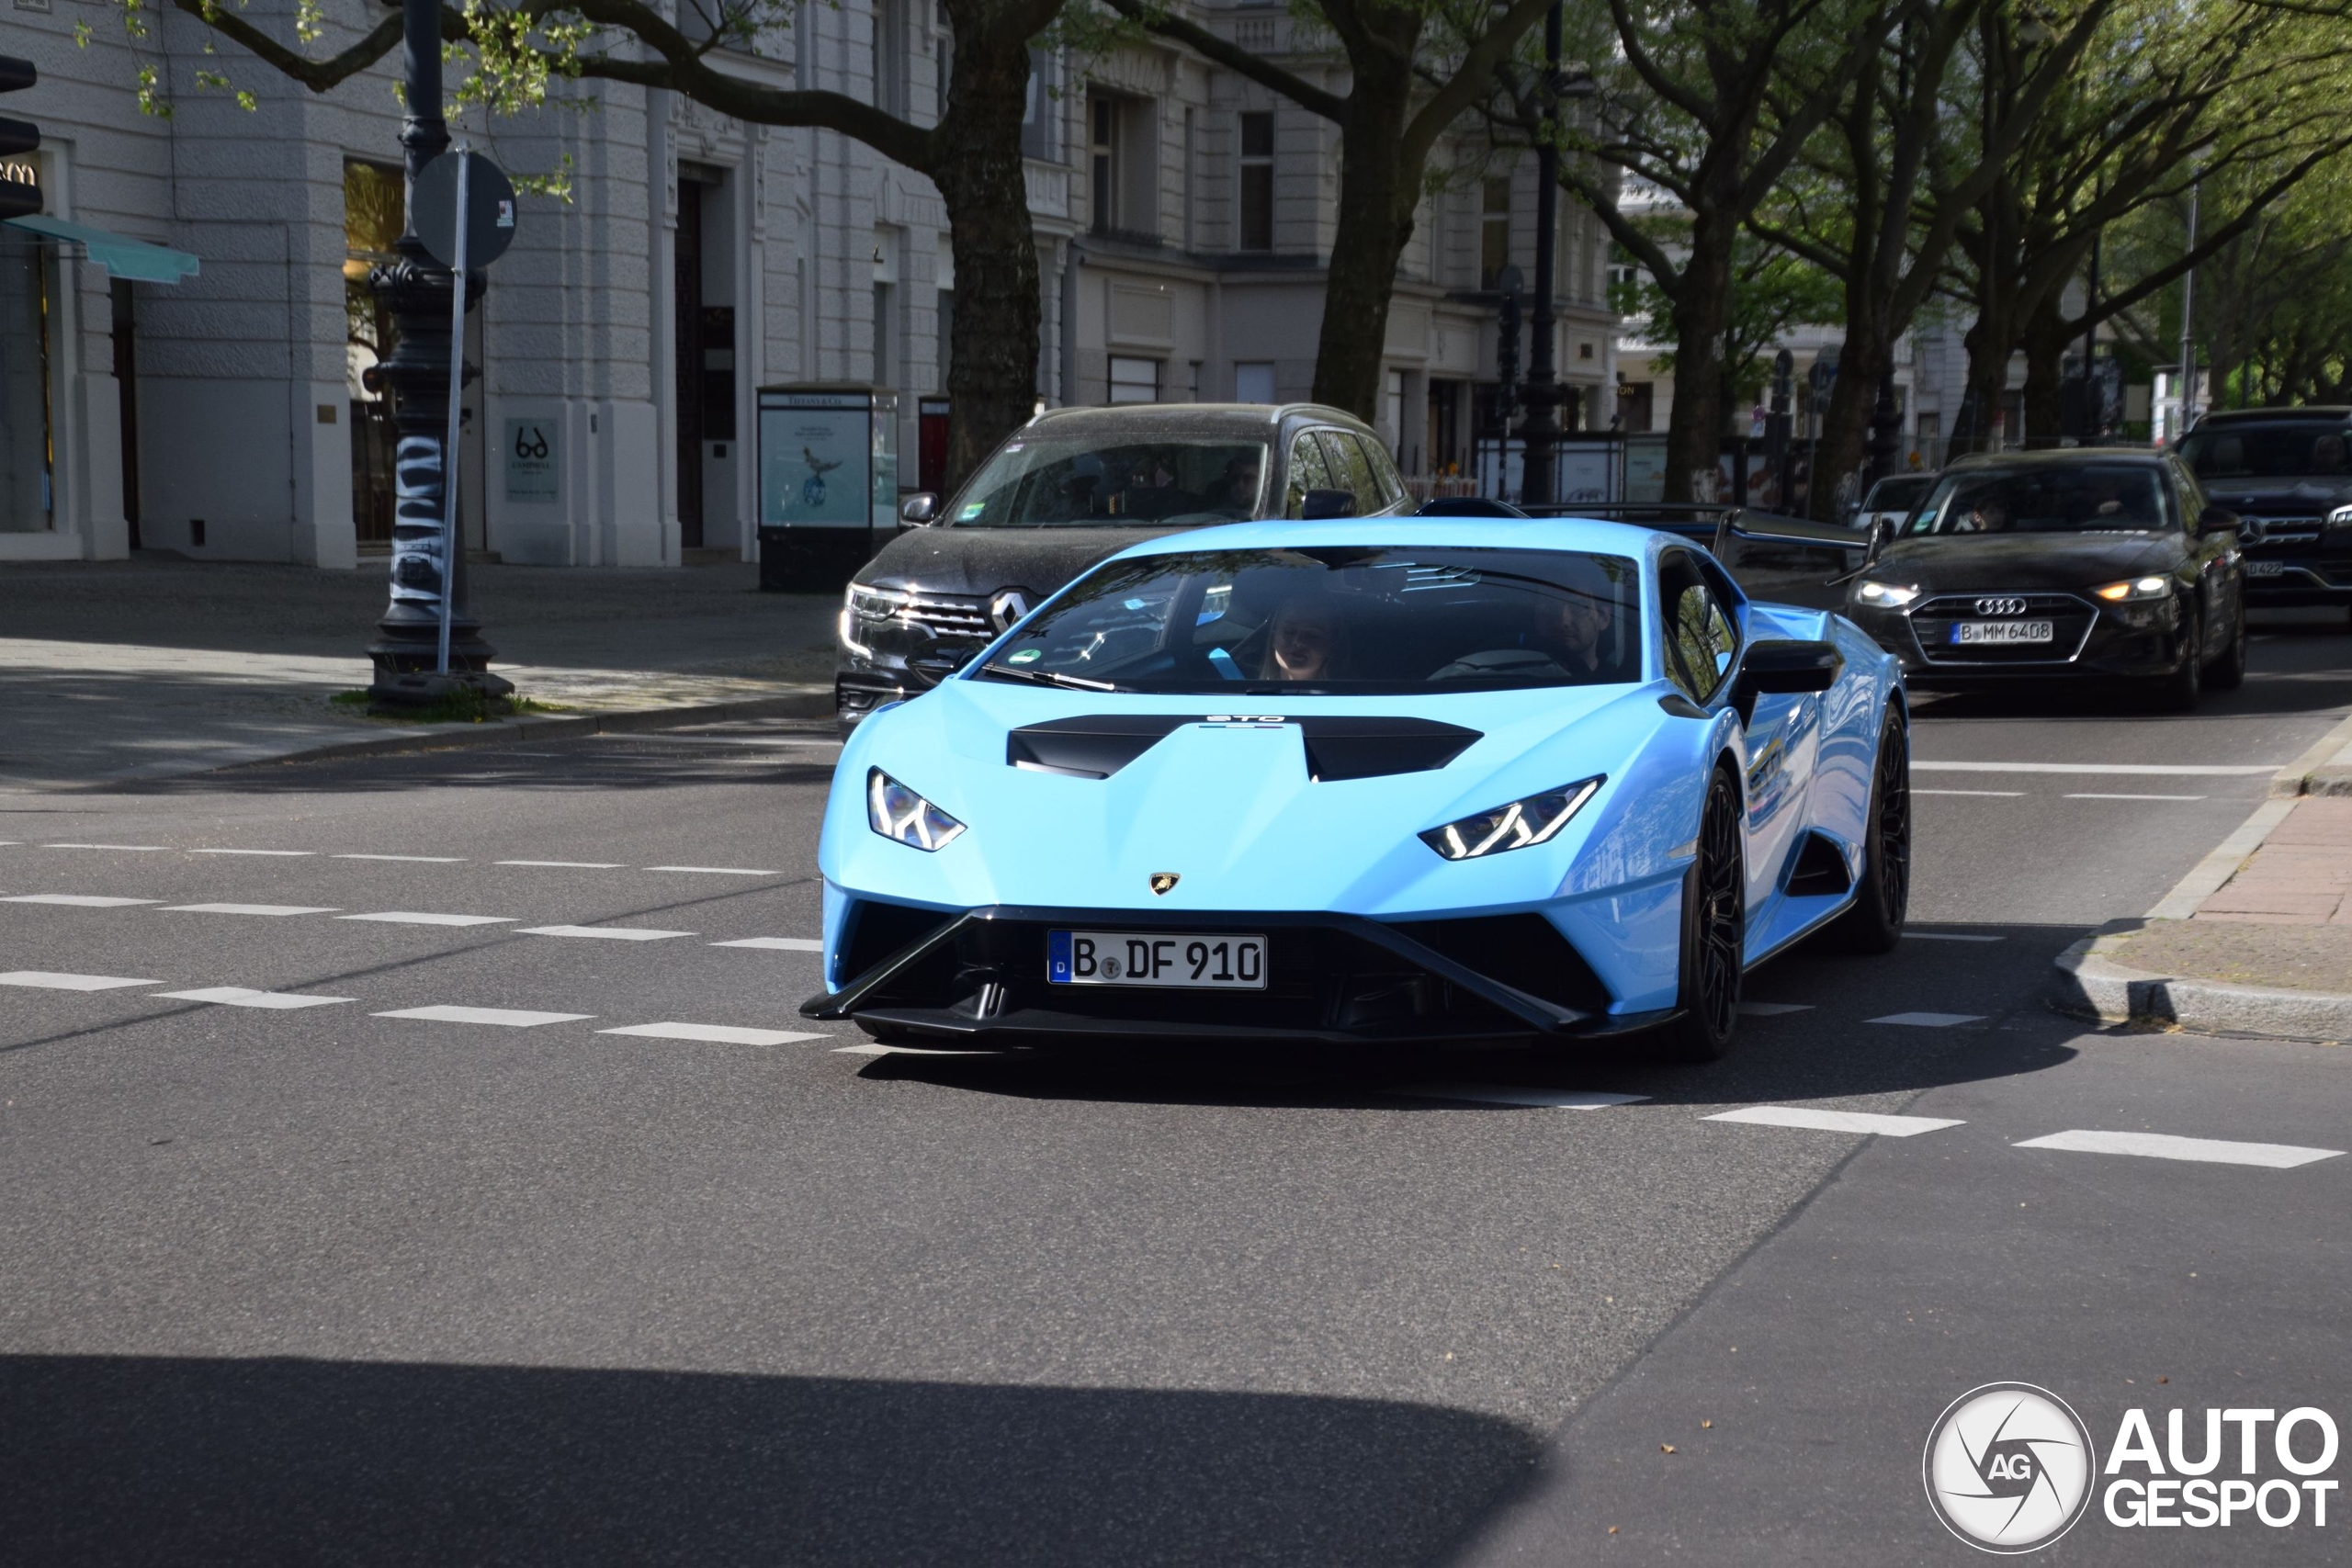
(134, 259)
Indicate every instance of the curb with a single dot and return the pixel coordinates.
(2326, 769)
(2092, 983)
(814, 703)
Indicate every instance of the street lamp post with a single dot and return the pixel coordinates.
(417, 375)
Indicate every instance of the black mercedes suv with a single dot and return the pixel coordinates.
(2290, 472)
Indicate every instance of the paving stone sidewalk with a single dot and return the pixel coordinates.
(117, 671)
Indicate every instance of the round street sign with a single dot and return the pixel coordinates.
(490, 201)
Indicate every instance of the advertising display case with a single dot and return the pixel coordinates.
(829, 482)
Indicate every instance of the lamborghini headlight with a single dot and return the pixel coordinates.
(2135, 588)
(1512, 827)
(897, 812)
(1885, 595)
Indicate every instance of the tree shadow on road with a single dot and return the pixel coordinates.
(126, 1460)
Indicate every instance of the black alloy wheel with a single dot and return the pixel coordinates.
(1714, 932)
(2179, 692)
(2227, 673)
(1882, 896)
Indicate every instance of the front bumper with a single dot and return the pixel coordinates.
(980, 975)
(2302, 579)
(2106, 641)
(882, 661)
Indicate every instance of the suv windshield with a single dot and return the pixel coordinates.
(1049, 481)
(2045, 499)
(2289, 449)
(1336, 620)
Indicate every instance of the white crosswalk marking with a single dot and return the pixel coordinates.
(1544, 1099)
(716, 1033)
(419, 859)
(614, 934)
(77, 900)
(139, 849)
(510, 1018)
(279, 910)
(238, 997)
(718, 870)
(1930, 1020)
(49, 980)
(1835, 1120)
(777, 943)
(419, 917)
(2164, 1145)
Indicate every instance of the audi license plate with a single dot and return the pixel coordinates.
(2265, 568)
(2004, 631)
(1193, 961)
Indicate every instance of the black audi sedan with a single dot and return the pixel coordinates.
(2292, 471)
(2081, 562)
(1068, 488)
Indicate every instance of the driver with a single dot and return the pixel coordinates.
(1987, 513)
(2327, 455)
(1237, 486)
(1571, 637)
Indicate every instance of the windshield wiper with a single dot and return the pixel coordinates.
(1048, 678)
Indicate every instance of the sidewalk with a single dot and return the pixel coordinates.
(158, 667)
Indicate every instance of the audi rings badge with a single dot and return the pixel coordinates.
(2000, 606)
(1006, 606)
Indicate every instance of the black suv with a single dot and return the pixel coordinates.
(1068, 488)
(2288, 471)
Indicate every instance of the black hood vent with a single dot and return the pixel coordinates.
(1098, 745)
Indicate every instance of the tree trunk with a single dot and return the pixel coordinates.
(992, 347)
(1845, 428)
(2045, 352)
(1374, 222)
(1694, 434)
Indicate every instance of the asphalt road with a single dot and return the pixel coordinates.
(331, 1284)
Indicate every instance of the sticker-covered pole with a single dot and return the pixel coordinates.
(449, 467)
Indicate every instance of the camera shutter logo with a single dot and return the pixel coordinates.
(2000, 606)
(1008, 606)
(2009, 1467)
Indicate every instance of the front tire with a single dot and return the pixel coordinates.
(1715, 933)
(1882, 896)
(2227, 673)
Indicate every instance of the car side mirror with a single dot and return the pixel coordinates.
(1322, 504)
(920, 510)
(1784, 665)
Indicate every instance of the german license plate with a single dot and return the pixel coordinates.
(1189, 961)
(2265, 568)
(2004, 631)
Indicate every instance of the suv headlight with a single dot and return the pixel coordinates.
(2341, 518)
(2135, 588)
(863, 606)
(1884, 595)
(899, 812)
(1512, 827)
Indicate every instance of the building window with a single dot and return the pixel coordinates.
(27, 504)
(373, 216)
(1494, 233)
(890, 56)
(1103, 148)
(1133, 380)
(1037, 117)
(1392, 411)
(1186, 227)
(1253, 383)
(945, 73)
(1256, 181)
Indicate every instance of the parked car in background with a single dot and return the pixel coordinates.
(1069, 488)
(1891, 499)
(2289, 472)
(2063, 564)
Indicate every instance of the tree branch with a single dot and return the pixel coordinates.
(1238, 61)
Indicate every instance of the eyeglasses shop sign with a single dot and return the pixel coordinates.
(533, 451)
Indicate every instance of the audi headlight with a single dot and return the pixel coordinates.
(2135, 588)
(1885, 595)
(899, 812)
(1511, 827)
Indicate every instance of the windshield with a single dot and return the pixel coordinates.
(1049, 481)
(2289, 449)
(2045, 499)
(1339, 620)
(1899, 494)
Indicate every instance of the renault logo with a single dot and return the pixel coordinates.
(1008, 606)
(1161, 881)
(2000, 606)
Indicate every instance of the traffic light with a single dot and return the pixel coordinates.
(20, 180)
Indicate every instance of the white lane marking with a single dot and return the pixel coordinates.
(252, 851)
(249, 909)
(2135, 798)
(79, 900)
(1949, 936)
(716, 1033)
(416, 917)
(238, 997)
(1987, 794)
(1930, 1020)
(2146, 770)
(1773, 1009)
(1547, 1098)
(143, 848)
(777, 943)
(49, 980)
(566, 864)
(718, 870)
(510, 1018)
(2162, 1145)
(614, 933)
(420, 860)
(1835, 1120)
